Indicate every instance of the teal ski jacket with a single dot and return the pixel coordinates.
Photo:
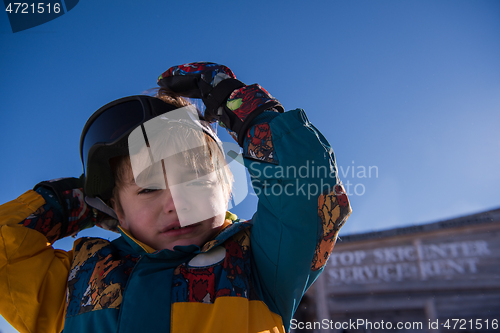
(249, 278)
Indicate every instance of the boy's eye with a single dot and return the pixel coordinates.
(200, 183)
(150, 189)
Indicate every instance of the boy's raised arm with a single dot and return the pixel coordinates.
(33, 275)
(301, 208)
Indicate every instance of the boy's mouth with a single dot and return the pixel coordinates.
(176, 228)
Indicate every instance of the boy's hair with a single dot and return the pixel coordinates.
(205, 159)
(170, 98)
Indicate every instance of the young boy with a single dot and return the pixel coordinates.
(182, 264)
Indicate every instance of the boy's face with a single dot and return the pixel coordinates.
(172, 206)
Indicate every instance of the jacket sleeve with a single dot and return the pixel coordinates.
(302, 206)
(33, 275)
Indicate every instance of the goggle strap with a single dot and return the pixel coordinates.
(100, 205)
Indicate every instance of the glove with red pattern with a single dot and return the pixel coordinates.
(67, 212)
(227, 100)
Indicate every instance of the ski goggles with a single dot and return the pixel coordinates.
(106, 133)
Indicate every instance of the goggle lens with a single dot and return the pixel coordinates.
(111, 125)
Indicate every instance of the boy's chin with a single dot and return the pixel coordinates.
(183, 242)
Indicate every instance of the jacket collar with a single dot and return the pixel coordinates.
(230, 227)
(136, 244)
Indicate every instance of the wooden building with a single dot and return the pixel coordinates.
(444, 275)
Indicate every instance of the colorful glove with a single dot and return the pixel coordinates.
(65, 212)
(227, 100)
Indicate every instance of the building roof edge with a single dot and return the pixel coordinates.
(490, 216)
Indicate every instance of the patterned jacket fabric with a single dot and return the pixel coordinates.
(249, 278)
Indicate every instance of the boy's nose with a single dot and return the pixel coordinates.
(177, 201)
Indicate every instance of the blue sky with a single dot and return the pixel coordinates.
(409, 88)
